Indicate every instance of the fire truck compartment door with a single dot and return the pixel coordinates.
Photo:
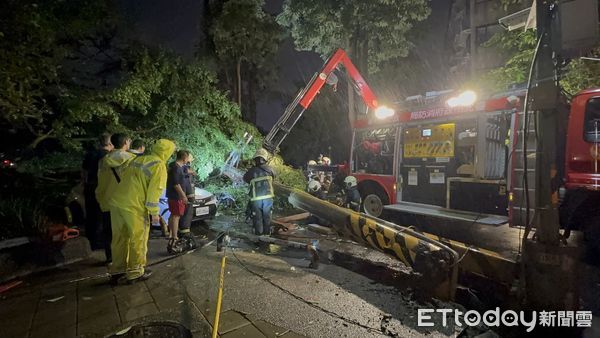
(424, 184)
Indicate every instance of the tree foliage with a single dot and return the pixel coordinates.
(66, 76)
(39, 41)
(245, 38)
(580, 74)
(518, 47)
(372, 32)
(164, 97)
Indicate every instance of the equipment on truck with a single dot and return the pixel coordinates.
(296, 108)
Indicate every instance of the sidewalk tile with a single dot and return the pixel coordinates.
(55, 329)
(98, 324)
(67, 315)
(18, 330)
(270, 330)
(18, 311)
(134, 300)
(292, 334)
(248, 331)
(92, 308)
(138, 312)
(231, 320)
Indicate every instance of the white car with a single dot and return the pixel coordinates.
(205, 205)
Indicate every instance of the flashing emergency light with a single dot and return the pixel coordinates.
(383, 112)
(465, 99)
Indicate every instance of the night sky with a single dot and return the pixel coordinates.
(177, 26)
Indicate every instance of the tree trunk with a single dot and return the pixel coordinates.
(251, 100)
(239, 82)
(230, 86)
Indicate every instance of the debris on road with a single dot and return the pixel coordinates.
(54, 300)
(10, 285)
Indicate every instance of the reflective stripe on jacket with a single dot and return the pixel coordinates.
(261, 182)
(261, 188)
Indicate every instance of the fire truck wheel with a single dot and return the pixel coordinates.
(373, 205)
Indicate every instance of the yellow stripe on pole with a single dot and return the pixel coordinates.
(219, 298)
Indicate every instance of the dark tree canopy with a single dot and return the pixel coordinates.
(371, 31)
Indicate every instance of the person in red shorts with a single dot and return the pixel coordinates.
(176, 197)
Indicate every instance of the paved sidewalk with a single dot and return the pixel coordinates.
(269, 292)
(60, 304)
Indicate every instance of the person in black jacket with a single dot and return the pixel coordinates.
(89, 174)
(260, 177)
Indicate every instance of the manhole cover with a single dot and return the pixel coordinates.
(155, 329)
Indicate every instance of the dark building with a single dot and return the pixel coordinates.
(472, 23)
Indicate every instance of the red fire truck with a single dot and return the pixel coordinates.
(453, 155)
(466, 160)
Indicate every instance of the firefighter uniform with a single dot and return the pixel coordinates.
(353, 199)
(136, 200)
(260, 177)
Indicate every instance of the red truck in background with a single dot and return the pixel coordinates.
(580, 207)
(450, 154)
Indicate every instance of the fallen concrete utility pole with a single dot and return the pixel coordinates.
(430, 255)
(425, 256)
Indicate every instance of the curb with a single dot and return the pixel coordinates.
(26, 258)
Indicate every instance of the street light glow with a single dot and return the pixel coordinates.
(383, 112)
(465, 99)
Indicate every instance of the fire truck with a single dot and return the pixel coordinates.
(450, 155)
(453, 155)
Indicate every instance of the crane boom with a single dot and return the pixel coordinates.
(296, 108)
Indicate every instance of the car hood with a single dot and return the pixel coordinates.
(202, 194)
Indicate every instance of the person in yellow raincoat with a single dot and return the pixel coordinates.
(110, 169)
(134, 205)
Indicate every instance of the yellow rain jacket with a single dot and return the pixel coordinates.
(136, 198)
(144, 181)
(110, 167)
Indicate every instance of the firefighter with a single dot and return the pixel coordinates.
(136, 204)
(260, 177)
(310, 168)
(110, 169)
(316, 189)
(352, 200)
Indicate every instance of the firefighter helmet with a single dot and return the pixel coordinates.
(262, 153)
(312, 162)
(314, 186)
(350, 181)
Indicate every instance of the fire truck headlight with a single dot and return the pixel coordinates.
(465, 99)
(383, 112)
